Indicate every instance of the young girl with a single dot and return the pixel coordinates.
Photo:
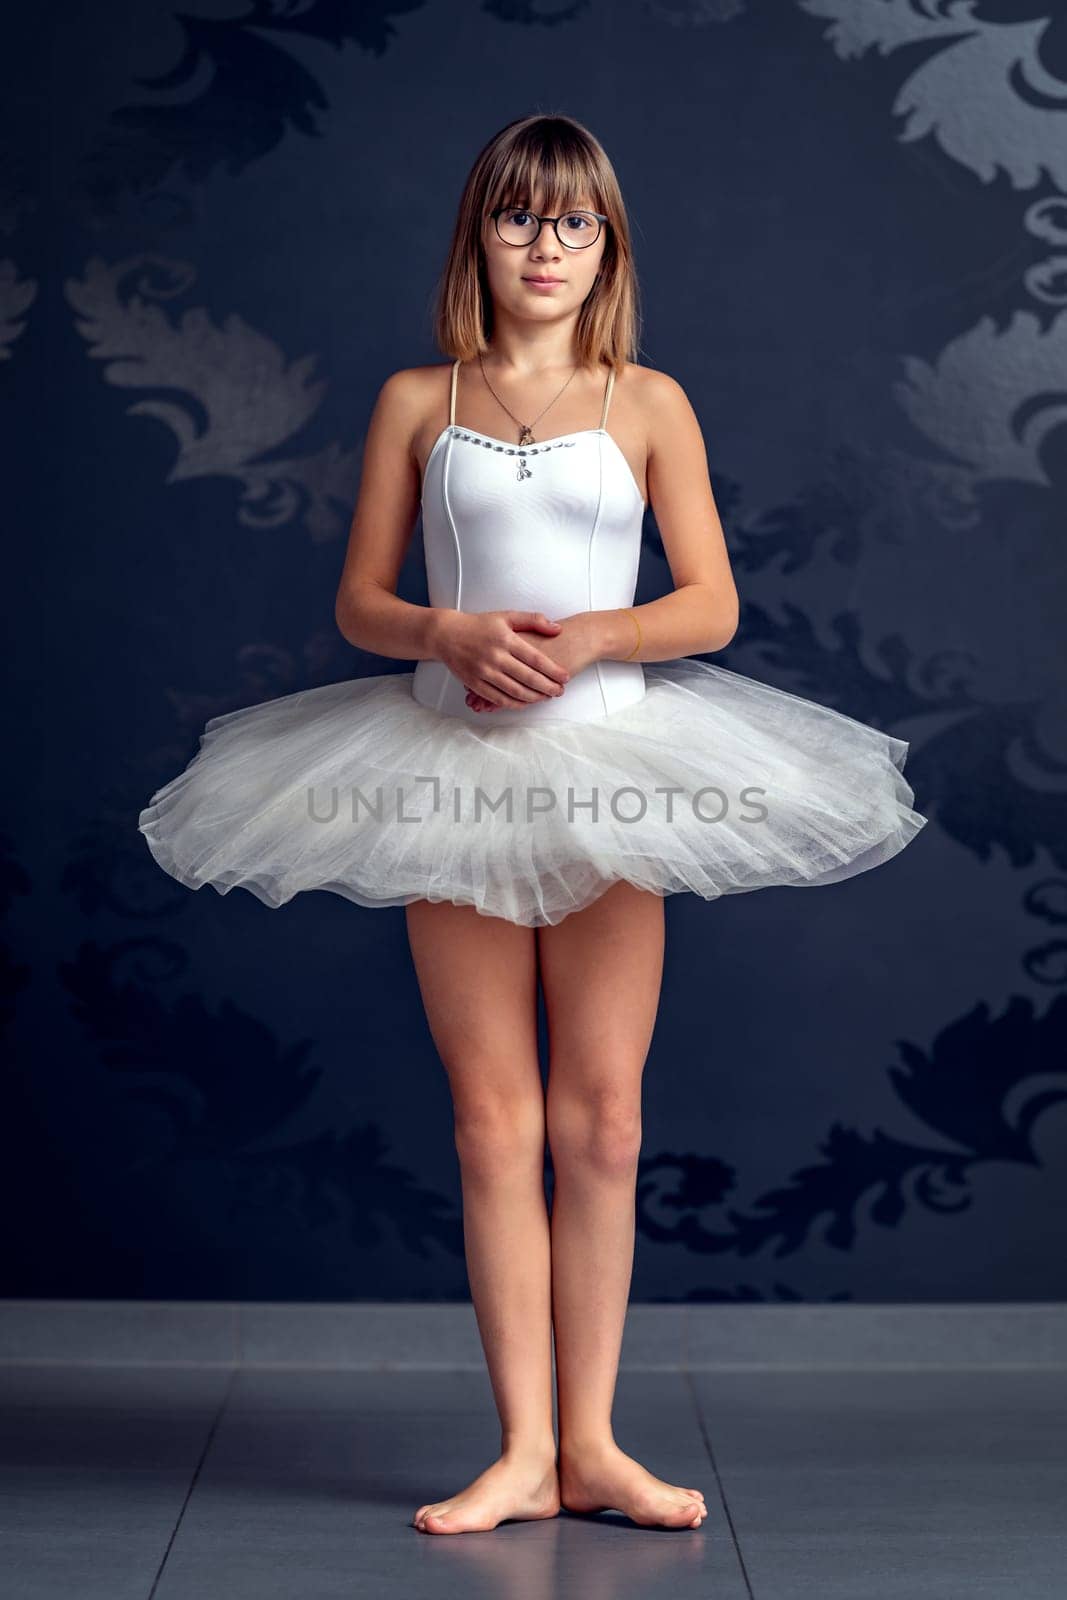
(557, 762)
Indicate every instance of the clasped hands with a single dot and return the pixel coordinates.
(509, 659)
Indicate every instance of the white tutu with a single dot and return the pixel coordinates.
(712, 783)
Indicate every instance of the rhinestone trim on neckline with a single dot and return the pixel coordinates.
(521, 450)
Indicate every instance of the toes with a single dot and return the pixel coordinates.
(437, 1519)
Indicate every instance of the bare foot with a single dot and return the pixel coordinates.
(606, 1478)
(520, 1487)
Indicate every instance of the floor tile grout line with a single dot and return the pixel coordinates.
(702, 1425)
(234, 1370)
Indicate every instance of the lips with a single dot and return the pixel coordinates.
(542, 280)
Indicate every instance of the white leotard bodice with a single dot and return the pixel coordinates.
(552, 527)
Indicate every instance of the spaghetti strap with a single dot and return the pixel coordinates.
(607, 397)
(452, 402)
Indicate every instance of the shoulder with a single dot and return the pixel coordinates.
(409, 388)
(655, 389)
(408, 402)
(658, 403)
(663, 404)
(654, 393)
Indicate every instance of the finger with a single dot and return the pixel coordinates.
(532, 619)
(519, 676)
(507, 673)
(492, 696)
(503, 690)
(537, 668)
(516, 678)
(479, 690)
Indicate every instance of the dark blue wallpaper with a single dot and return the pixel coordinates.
(221, 225)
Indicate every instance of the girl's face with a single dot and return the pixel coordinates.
(512, 266)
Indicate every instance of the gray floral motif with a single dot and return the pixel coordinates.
(16, 296)
(1047, 901)
(990, 400)
(245, 398)
(987, 97)
(1046, 280)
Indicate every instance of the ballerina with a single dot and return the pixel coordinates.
(556, 763)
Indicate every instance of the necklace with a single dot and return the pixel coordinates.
(525, 428)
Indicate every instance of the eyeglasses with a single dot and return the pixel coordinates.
(518, 226)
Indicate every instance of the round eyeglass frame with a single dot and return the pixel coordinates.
(498, 211)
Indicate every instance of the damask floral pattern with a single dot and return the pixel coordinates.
(217, 1114)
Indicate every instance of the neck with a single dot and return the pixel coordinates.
(518, 351)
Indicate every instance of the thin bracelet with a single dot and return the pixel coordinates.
(637, 625)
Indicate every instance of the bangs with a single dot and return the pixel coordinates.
(556, 166)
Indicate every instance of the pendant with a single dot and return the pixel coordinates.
(525, 437)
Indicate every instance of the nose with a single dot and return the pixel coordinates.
(553, 238)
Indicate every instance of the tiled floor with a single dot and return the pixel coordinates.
(195, 1483)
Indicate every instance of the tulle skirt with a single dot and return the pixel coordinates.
(713, 783)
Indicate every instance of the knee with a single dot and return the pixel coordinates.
(598, 1131)
(497, 1133)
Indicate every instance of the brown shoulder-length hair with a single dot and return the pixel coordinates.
(558, 157)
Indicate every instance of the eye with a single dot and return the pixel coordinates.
(577, 222)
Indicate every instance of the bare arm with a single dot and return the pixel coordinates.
(368, 610)
(702, 612)
(488, 651)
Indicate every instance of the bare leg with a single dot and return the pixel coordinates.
(601, 969)
(478, 979)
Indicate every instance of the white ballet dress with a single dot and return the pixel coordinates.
(675, 775)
